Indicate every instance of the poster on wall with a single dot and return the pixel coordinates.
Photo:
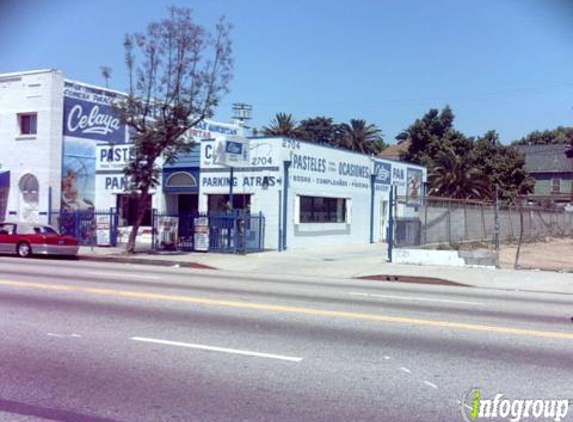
(103, 230)
(414, 187)
(167, 232)
(201, 235)
(89, 119)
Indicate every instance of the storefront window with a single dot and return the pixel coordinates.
(126, 208)
(314, 209)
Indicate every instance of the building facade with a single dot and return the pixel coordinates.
(63, 148)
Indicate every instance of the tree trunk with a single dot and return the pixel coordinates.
(142, 202)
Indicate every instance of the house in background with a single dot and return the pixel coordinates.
(392, 152)
(552, 171)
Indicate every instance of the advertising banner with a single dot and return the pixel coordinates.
(232, 152)
(382, 172)
(414, 188)
(201, 235)
(103, 228)
(89, 119)
(167, 232)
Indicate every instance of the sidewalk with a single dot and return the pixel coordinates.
(342, 262)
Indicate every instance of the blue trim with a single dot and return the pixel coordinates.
(168, 172)
(5, 179)
(372, 193)
(239, 169)
(285, 202)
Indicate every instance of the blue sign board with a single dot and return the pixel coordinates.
(383, 172)
(90, 120)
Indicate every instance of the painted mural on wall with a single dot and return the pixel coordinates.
(89, 119)
(414, 187)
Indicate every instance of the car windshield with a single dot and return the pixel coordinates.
(45, 230)
(6, 228)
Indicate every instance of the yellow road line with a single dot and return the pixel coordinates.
(291, 309)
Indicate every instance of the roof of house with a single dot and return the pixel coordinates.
(392, 152)
(546, 158)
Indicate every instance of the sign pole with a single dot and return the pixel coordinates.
(231, 188)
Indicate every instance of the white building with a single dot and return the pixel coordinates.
(62, 147)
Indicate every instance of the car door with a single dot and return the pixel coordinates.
(7, 238)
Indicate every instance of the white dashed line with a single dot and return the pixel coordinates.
(387, 357)
(406, 370)
(419, 299)
(430, 384)
(63, 335)
(217, 349)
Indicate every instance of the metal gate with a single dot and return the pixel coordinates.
(229, 232)
(89, 227)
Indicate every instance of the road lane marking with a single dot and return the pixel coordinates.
(420, 299)
(293, 310)
(122, 275)
(406, 370)
(217, 349)
(387, 357)
(431, 384)
(73, 335)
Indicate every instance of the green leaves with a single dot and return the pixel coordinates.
(462, 167)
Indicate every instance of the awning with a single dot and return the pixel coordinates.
(4, 179)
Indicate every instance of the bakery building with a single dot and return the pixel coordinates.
(62, 148)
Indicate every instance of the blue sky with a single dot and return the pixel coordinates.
(500, 64)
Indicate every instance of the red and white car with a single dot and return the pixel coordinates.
(25, 239)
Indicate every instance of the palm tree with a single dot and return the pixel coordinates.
(282, 125)
(361, 137)
(452, 176)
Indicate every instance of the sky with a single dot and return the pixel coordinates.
(504, 65)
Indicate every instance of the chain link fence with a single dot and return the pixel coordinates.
(449, 222)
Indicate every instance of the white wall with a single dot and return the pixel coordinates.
(314, 171)
(40, 155)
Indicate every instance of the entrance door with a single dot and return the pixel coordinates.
(187, 203)
(383, 220)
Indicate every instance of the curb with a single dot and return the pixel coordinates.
(412, 279)
(155, 262)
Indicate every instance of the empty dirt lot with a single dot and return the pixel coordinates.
(550, 254)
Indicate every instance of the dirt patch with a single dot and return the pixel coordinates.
(555, 254)
(411, 279)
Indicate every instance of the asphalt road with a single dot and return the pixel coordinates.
(92, 342)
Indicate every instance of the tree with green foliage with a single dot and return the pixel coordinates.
(435, 143)
(504, 165)
(283, 124)
(178, 72)
(454, 176)
(433, 133)
(359, 136)
(559, 135)
(321, 130)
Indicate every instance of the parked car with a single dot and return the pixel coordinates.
(26, 239)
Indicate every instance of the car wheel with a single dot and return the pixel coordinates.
(24, 249)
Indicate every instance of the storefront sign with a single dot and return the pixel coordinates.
(382, 172)
(103, 228)
(167, 232)
(232, 152)
(201, 234)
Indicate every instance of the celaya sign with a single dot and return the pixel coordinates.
(88, 114)
(83, 119)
